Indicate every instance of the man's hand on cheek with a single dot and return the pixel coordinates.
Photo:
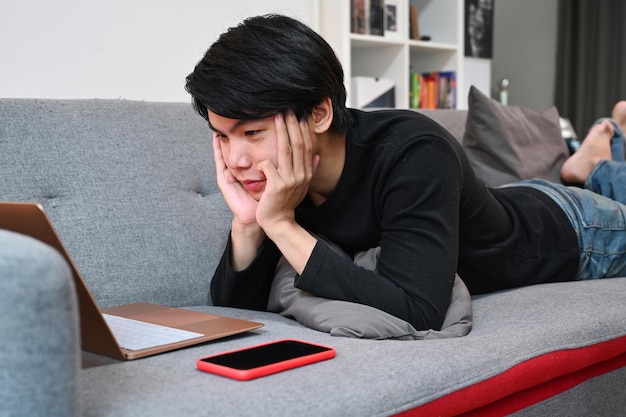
(287, 184)
(241, 204)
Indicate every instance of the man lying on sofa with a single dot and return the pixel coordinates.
(293, 164)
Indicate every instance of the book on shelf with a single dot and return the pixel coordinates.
(359, 17)
(447, 89)
(414, 30)
(394, 19)
(433, 90)
(367, 17)
(377, 17)
(414, 93)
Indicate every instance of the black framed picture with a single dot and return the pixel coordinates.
(479, 28)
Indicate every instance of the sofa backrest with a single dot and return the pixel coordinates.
(453, 120)
(130, 188)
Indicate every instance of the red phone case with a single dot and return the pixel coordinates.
(271, 368)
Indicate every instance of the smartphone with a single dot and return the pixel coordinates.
(265, 359)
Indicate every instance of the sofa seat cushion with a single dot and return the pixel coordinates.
(519, 328)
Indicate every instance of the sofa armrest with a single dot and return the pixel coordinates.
(40, 342)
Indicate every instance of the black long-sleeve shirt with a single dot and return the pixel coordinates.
(407, 186)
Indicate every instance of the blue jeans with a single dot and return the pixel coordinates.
(597, 213)
(608, 178)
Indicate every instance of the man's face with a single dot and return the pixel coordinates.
(244, 144)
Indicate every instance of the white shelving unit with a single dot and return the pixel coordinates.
(395, 58)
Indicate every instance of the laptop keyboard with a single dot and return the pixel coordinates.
(136, 335)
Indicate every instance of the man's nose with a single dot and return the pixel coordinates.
(239, 156)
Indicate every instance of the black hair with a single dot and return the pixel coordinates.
(267, 65)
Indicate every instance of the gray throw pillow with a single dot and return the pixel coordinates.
(510, 143)
(347, 319)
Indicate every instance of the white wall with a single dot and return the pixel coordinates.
(131, 49)
(524, 50)
(478, 74)
(143, 49)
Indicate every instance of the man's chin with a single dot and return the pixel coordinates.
(256, 195)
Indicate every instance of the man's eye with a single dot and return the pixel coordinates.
(252, 132)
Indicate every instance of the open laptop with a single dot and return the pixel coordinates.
(118, 332)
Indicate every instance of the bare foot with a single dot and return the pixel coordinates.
(619, 114)
(595, 147)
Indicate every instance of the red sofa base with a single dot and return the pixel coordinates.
(529, 382)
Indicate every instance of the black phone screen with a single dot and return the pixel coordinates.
(263, 355)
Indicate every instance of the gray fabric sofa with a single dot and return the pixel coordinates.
(130, 188)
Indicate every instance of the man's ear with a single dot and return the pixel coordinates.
(322, 116)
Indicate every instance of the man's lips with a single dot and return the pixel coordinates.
(252, 185)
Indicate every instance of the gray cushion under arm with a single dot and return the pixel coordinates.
(40, 341)
(342, 318)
